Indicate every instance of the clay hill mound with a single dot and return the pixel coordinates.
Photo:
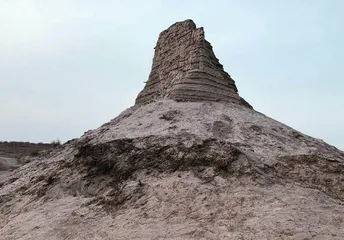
(190, 160)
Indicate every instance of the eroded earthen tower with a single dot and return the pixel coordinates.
(185, 68)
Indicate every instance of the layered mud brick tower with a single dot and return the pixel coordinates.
(185, 68)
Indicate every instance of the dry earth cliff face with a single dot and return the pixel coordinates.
(186, 169)
(185, 68)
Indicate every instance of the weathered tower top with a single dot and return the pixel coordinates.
(185, 68)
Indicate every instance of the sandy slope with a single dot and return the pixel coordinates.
(7, 164)
(172, 170)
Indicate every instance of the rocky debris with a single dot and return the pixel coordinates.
(194, 168)
(185, 69)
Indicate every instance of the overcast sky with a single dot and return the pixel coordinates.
(67, 66)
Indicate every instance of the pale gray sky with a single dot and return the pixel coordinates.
(67, 66)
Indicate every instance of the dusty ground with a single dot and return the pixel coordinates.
(15, 154)
(22, 149)
(182, 171)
